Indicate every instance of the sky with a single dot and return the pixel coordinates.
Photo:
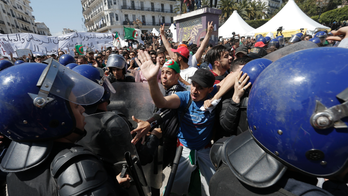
(59, 14)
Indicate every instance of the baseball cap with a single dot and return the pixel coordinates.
(259, 44)
(257, 52)
(173, 65)
(242, 49)
(183, 51)
(204, 78)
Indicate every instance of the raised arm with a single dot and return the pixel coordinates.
(166, 42)
(150, 71)
(205, 41)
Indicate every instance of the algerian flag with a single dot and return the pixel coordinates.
(131, 33)
(116, 36)
(116, 41)
(79, 49)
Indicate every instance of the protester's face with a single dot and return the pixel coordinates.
(169, 77)
(306, 38)
(126, 56)
(225, 60)
(131, 55)
(80, 62)
(103, 53)
(199, 93)
(120, 51)
(91, 55)
(153, 58)
(162, 60)
(118, 73)
(107, 53)
(38, 59)
(78, 111)
(60, 53)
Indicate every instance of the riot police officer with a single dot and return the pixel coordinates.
(41, 113)
(297, 130)
(117, 69)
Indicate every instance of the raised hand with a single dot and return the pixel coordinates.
(142, 129)
(148, 69)
(210, 27)
(240, 86)
(162, 30)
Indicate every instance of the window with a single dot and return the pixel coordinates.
(171, 8)
(162, 7)
(163, 19)
(153, 20)
(116, 16)
(143, 19)
(133, 17)
(114, 2)
(152, 7)
(126, 17)
(125, 3)
(142, 5)
(171, 20)
(132, 5)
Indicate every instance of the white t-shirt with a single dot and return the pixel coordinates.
(344, 43)
(192, 62)
(186, 73)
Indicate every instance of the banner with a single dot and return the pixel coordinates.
(51, 44)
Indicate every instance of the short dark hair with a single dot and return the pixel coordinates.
(183, 58)
(215, 53)
(151, 52)
(162, 50)
(240, 61)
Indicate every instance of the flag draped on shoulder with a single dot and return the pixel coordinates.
(79, 49)
(131, 33)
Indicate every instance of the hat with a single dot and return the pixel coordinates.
(259, 44)
(242, 49)
(173, 65)
(89, 50)
(183, 51)
(204, 78)
(257, 53)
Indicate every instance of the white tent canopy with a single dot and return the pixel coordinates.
(236, 24)
(291, 18)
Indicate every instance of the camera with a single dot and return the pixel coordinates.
(280, 29)
(233, 33)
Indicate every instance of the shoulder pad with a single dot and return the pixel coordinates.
(26, 155)
(79, 172)
(250, 163)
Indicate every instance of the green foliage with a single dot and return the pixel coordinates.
(337, 15)
(257, 23)
(315, 17)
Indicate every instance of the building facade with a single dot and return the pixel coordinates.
(67, 31)
(16, 17)
(112, 15)
(42, 29)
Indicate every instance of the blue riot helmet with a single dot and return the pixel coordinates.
(268, 39)
(295, 38)
(93, 74)
(255, 67)
(117, 61)
(315, 40)
(258, 36)
(274, 42)
(296, 111)
(34, 103)
(322, 35)
(18, 62)
(66, 59)
(71, 65)
(5, 64)
(262, 39)
(281, 40)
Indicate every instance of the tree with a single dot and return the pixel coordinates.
(178, 9)
(227, 7)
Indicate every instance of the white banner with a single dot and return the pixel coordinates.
(50, 44)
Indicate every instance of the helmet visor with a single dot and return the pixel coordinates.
(107, 84)
(69, 85)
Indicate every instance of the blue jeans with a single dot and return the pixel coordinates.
(198, 3)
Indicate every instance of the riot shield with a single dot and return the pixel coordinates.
(132, 99)
(302, 45)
